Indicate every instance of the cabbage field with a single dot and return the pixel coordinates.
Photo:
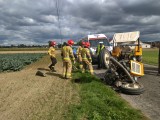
(15, 62)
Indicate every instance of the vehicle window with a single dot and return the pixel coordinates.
(94, 43)
(85, 40)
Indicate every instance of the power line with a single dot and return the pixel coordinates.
(58, 15)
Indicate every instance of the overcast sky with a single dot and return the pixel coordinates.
(36, 21)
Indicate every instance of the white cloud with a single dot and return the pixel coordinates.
(29, 20)
(50, 18)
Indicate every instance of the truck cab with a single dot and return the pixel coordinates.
(94, 40)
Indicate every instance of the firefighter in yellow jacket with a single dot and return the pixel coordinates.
(79, 56)
(86, 58)
(68, 57)
(52, 53)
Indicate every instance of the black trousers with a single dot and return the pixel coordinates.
(54, 61)
(99, 61)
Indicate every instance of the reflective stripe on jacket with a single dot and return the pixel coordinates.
(67, 53)
(99, 49)
(85, 54)
(51, 51)
(79, 50)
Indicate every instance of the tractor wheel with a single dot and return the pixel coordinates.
(105, 56)
(132, 88)
(109, 78)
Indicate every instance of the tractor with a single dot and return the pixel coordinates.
(124, 65)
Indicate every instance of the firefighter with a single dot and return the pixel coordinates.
(67, 57)
(79, 57)
(86, 58)
(100, 47)
(52, 54)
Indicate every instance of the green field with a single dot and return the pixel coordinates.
(150, 56)
(15, 62)
(24, 49)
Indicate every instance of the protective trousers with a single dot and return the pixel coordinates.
(67, 69)
(54, 61)
(80, 61)
(87, 64)
(99, 61)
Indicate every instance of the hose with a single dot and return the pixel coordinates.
(121, 66)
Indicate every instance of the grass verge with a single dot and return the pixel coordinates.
(99, 102)
(150, 56)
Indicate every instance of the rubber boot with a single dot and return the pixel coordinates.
(50, 67)
(53, 70)
(69, 77)
(81, 67)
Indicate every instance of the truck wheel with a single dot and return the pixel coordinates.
(132, 88)
(105, 56)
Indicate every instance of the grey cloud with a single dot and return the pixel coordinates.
(141, 7)
(3, 37)
(36, 21)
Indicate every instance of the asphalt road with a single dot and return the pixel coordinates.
(149, 101)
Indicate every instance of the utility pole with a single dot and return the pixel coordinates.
(58, 15)
(159, 59)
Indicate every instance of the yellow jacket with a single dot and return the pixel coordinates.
(52, 52)
(86, 54)
(79, 50)
(67, 53)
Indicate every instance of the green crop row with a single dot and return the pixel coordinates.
(15, 62)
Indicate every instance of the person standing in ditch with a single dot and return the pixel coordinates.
(100, 47)
(86, 58)
(79, 56)
(67, 57)
(52, 54)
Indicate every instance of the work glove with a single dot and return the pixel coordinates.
(73, 61)
(90, 60)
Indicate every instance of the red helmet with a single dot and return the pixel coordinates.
(70, 42)
(87, 44)
(52, 43)
(83, 43)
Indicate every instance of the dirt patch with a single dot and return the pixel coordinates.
(23, 95)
